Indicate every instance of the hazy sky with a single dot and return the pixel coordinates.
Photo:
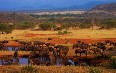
(25, 4)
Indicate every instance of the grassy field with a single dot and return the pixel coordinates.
(53, 69)
(80, 34)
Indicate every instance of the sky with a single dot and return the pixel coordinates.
(41, 4)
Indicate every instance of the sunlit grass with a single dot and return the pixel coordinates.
(53, 69)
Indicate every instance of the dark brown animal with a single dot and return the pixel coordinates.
(81, 51)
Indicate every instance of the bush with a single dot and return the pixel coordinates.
(63, 32)
(24, 25)
(112, 64)
(109, 23)
(5, 28)
(94, 70)
(28, 69)
(60, 32)
(47, 26)
(85, 25)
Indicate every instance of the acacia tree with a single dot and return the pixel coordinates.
(47, 26)
(109, 23)
(7, 28)
(25, 25)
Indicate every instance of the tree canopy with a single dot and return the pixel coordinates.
(47, 26)
(25, 25)
(7, 28)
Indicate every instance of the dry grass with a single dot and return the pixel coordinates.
(53, 69)
(80, 34)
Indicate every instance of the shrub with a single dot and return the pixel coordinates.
(47, 26)
(28, 69)
(5, 28)
(112, 64)
(85, 25)
(63, 32)
(109, 23)
(60, 32)
(24, 25)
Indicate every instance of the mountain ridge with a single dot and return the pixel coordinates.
(76, 6)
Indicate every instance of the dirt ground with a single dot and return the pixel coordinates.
(11, 53)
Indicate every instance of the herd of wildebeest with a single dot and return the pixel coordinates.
(47, 54)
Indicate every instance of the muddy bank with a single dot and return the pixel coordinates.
(11, 53)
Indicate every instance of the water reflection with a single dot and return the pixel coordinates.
(0, 62)
(10, 48)
(22, 61)
(58, 62)
(71, 62)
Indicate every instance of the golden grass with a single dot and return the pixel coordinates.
(53, 69)
(80, 34)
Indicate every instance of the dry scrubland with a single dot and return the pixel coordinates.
(53, 69)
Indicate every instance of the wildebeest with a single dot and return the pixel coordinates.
(2, 47)
(61, 50)
(7, 60)
(80, 47)
(77, 45)
(40, 57)
(80, 51)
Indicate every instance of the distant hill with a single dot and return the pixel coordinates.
(104, 11)
(106, 8)
(62, 5)
(87, 6)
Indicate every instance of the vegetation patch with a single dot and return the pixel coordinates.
(112, 64)
(28, 69)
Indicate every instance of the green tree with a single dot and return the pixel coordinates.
(47, 26)
(7, 28)
(25, 25)
(110, 23)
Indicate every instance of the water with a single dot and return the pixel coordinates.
(10, 48)
(58, 62)
(22, 61)
(0, 62)
(71, 62)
